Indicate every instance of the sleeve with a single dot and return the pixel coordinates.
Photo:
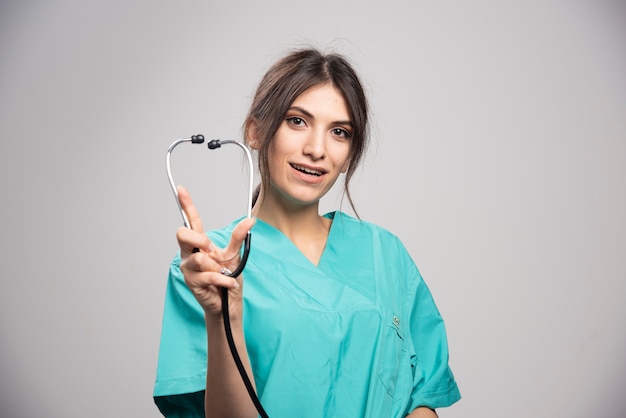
(434, 385)
(181, 369)
(187, 405)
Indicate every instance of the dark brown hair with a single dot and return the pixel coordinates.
(287, 79)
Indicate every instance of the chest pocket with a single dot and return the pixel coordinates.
(389, 294)
(392, 353)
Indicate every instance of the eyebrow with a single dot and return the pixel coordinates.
(309, 115)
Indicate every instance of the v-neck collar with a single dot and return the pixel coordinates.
(275, 236)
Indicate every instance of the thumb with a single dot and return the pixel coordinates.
(238, 236)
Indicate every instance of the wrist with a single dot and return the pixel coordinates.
(215, 321)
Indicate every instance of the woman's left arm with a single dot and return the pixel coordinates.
(423, 413)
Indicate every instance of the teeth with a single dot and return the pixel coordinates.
(307, 170)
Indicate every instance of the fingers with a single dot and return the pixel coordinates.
(195, 223)
(201, 272)
(189, 240)
(193, 239)
(238, 236)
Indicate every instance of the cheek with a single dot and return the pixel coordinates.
(281, 141)
(275, 157)
(345, 166)
(341, 151)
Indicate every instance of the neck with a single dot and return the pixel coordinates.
(291, 219)
(302, 224)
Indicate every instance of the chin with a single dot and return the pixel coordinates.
(305, 199)
(302, 196)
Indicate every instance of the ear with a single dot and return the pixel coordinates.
(252, 134)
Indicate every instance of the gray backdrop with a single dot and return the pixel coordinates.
(498, 157)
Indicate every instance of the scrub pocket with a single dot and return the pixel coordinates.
(392, 352)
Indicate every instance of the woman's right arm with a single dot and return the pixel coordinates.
(226, 394)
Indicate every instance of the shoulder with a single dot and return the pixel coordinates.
(358, 227)
(366, 235)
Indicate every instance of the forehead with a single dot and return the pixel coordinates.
(323, 99)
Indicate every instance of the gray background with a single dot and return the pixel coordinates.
(498, 158)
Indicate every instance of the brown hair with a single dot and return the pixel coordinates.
(290, 77)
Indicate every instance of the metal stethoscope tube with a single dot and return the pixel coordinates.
(213, 144)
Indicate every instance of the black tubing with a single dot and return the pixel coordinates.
(229, 333)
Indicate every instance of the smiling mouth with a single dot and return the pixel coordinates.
(308, 171)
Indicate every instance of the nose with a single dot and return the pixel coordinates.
(315, 145)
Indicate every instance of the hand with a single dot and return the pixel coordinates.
(202, 269)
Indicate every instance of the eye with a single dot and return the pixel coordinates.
(341, 133)
(296, 121)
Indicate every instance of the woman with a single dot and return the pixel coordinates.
(338, 321)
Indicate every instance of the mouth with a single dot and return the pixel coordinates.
(308, 170)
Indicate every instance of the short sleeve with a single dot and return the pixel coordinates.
(182, 353)
(434, 385)
(187, 405)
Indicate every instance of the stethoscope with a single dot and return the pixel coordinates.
(214, 144)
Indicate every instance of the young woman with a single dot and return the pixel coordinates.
(330, 316)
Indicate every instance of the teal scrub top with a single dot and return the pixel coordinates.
(358, 335)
